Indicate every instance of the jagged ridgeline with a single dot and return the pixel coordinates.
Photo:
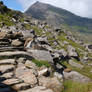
(37, 57)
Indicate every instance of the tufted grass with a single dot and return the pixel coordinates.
(71, 86)
(40, 63)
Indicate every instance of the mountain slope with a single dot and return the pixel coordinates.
(35, 57)
(57, 16)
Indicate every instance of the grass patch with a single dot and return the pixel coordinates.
(84, 71)
(41, 63)
(6, 20)
(70, 86)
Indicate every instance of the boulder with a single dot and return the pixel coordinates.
(28, 33)
(43, 72)
(75, 76)
(2, 35)
(41, 55)
(29, 64)
(16, 42)
(62, 52)
(74, 64)
(27, 75)
(17, 34)
(42, 40)
(28, 43)
(72, 51)
(67, 70)
(58, 75)
(52, 83)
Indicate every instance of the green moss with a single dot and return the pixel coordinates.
(71, 86)
(41, 63)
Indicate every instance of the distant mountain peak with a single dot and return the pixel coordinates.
(37, 2)
(57, 16)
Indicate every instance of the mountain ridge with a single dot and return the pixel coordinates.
(57, 16)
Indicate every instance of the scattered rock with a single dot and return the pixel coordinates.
(74, 64)
(16, 42)
(58, 75)
(67, 70)
(30, 65)
(2, 35)
(52, 83)
(75, 76)
(43, 72)
(72, 51)
(28, 43)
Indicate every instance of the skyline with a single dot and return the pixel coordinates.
(78, 7)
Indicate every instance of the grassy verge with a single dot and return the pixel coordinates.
(70, 86)
(84, 71)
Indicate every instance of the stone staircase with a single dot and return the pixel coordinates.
(15, 76)
(8, 81)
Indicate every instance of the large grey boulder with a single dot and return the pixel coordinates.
(75, 76)
(42, 39)
(41, 55)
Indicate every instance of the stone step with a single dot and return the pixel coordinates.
(16, 53)
(7, 75)
(21, 86)
(12, 82)
(7, 62)
(6, 68)
(4, 43)
(8, 48)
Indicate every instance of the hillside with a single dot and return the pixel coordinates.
(57, 17)
(36, 57)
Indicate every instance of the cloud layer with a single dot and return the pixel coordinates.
(80, 7)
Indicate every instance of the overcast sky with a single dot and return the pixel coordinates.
(79, 7)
